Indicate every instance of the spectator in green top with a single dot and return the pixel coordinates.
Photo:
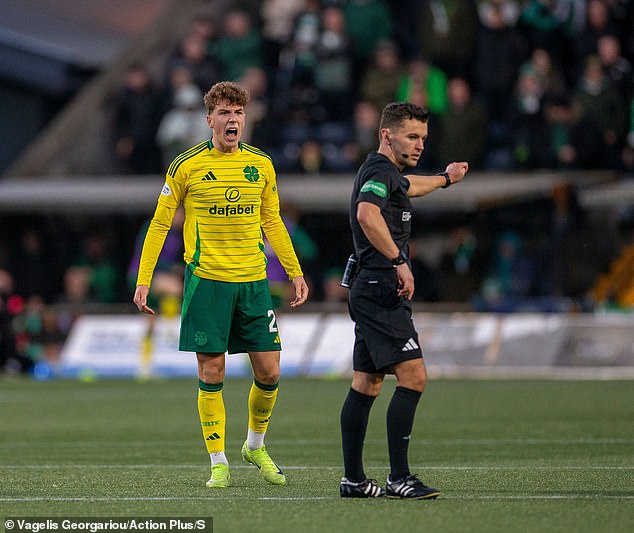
(240, 46)
(424, 79)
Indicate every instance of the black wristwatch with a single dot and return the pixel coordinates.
(399, 259)
(447, 179)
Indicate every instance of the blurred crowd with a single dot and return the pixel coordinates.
(511, 84)
(50, 276)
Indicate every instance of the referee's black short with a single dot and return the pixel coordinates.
(384, 330)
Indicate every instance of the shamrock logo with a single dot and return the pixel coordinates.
(200, 338)
(251, 173)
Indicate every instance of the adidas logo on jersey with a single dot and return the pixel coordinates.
(410, 345)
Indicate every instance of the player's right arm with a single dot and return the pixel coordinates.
(160, 225)
(152, 246)
(140, 299)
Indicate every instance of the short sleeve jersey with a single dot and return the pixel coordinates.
(228, 198)
(380, 182)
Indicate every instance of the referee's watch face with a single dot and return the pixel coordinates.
(227, 123)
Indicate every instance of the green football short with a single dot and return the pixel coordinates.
(219, 317)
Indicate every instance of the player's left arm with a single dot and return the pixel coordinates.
(279, 239)
(422, 185)
(300, 289)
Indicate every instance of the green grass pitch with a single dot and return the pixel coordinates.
(507, 455)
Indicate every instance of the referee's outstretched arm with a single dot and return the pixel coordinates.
(422, 185)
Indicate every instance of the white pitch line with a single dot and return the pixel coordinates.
(314, 467)
(308, 498)
(308, 442)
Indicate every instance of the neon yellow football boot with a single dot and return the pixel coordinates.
(268, 469)
(219, 477)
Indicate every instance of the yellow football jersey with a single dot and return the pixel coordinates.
(229, 198)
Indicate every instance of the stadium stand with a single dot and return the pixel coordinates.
(63, 66)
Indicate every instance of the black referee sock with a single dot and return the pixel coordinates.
(354, 423)
(400, 420)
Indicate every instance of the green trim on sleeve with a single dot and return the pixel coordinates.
(375, 187)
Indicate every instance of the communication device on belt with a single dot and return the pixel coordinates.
(350, 272)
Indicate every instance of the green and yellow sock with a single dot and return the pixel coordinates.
(211, 409)
(261, 402)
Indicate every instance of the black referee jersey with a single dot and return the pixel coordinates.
(380, 182)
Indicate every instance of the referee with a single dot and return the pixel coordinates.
(386, 341)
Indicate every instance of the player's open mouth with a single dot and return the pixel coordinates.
(231, 133)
